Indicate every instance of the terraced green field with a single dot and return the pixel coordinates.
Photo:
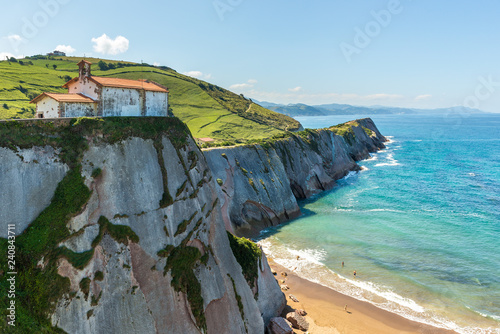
(208, 110)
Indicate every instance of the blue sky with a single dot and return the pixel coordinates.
(405, 53)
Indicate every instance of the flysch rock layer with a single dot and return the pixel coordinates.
(259, 184)
(134, 295)
(241, 189)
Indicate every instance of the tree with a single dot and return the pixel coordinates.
(5, 106)
(54, 66)
(47, 65)
(12, 59)
(67, 78)
(102, 65)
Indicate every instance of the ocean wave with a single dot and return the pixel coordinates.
(385, 210)
(349, 175)
(311, 267)
(390, 161)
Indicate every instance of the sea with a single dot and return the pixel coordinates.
(420, 223)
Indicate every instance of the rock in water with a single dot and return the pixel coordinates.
(279, 325)
(297, 321)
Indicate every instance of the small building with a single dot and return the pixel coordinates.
(57, 53)
(103, 96)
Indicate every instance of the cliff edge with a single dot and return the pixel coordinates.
(119, 230)
(259, 184)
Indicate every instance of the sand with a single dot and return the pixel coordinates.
(326, 314)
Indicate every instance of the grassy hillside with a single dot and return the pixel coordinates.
(208, 110)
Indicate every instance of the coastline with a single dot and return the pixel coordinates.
(326, 314)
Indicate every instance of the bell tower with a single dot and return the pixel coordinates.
(84, 69)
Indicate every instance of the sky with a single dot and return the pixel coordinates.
(404, 53)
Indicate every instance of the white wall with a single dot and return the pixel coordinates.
(120, 102)
(74, 109)
(48, 107)
(156, 104)
(86, 87)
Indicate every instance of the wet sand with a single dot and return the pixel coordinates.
(326, 314)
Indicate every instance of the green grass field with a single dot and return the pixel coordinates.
(208, 110)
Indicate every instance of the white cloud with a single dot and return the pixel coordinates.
(65, 48)
(243, 86)
(156, 64)
(106, 45)
(295, 90)
(4, 55)
(14, 38)
(423, 97)
(198, 75)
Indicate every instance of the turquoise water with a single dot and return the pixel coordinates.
(420, 223)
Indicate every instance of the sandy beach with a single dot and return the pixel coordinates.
(326, 314)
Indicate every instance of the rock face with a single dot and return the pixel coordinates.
(279, 325)
(122, 222)
(153, 209)
(297, 321)
(24, 192)
(259, 184)
(253, 188)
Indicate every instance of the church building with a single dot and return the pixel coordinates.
(103, 96)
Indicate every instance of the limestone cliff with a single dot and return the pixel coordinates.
(259, 184)
(119, 230)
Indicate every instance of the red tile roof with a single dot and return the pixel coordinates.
(127, 83)
(124, 83)
(65, 98)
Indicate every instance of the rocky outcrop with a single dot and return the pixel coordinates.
(279, 325)
(24, 192)
(259, 184)
(297, 321)
(133, 236)
(121, 222)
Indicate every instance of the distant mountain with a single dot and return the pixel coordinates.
(300, 109)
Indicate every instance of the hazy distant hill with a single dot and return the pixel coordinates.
(300, 109)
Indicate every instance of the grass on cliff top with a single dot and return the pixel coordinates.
(208, 110)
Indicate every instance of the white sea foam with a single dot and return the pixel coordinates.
(311, 267)
(385, 210)
(390, 161)
(349, 175)
(390, 139)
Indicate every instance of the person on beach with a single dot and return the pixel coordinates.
(354, 273)
(345, 307)
(342, 264)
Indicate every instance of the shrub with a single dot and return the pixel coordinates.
(247, 253)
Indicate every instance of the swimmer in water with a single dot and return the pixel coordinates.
(354, 273)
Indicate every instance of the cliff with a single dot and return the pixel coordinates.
(119, 230)
(259, 184)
